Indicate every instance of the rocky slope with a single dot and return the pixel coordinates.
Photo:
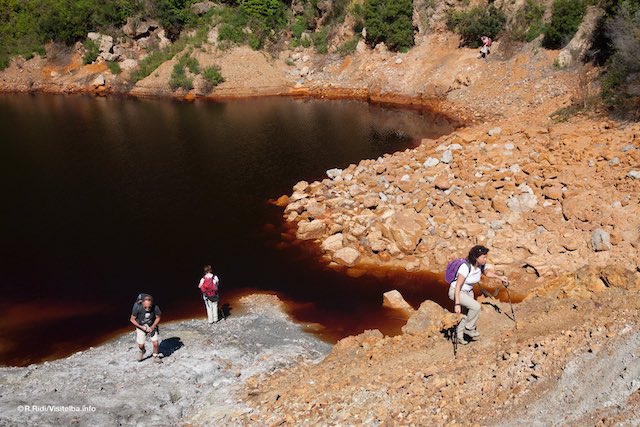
(203, 368)
(572, 359)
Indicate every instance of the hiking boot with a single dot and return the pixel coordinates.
(462, 341)
(156, 358)
(472, 333)
(141, 355)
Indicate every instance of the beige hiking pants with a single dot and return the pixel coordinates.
(470, 309)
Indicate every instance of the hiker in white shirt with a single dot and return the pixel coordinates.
(461, 291)
(209, 287)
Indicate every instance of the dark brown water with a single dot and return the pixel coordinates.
(103, 198)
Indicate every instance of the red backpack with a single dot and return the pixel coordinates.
(489, 41)
(209, 288)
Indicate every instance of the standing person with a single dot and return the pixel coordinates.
(145, 316)
(461, 291)
(209, 287)
(486, 45)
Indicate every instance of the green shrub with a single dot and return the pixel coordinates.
(476, 22)
(91, 51)
(152, 61)
(268, 14)
(566, 16)
(349, 46)
(114, 67)
(389, 21)
(212, 78)
(357, 12)
(173, 15)
(528, 24)
(321, 40)
(179, 78)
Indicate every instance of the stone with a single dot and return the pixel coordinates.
(332, 243)
(494, 131)
(393, 299)
(581, 42)
(334, 173)
(99, 80)
(310, 230)
(371, 201)
(301, 186)
(145, 27)
(553, 192)
(447, 157)
(128, 64)
(430, 162)
(201, 8)
(427, 318)
(106, 43)
(522, 203)
(316, 209)
(346, 256)
(94, 36)
(442, 182)
(634, 174)
(600, 240)
(406, 228)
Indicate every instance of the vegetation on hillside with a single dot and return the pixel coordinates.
(566, 16)
(389, 21)
(476, 22)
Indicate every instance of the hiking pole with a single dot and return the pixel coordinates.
(513, 313)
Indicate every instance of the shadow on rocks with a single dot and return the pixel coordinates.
(170, 345)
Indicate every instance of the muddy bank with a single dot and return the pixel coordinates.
(204, 368)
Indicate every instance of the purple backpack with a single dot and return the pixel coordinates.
(452, 269)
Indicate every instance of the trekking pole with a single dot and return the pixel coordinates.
(513, 313)
(454, 339)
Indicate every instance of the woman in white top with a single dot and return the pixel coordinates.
(461, 291)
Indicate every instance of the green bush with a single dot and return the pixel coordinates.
(476, 22)
(179, 78)
(114, 67)
(268, 14)
(91, 51)
(528, 24)
(152, 61)
(321, 40)
(566, 16)
(173, 15)
(212, 78)
(349, 46)
(389, 21)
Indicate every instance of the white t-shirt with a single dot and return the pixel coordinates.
(471, 278)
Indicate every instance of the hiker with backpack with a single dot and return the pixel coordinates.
(209, 287)
(145, 316)
(462, 274)
(486, 45)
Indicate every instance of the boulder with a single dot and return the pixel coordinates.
(128, 64)
(430, 162)
(600, 240)
(442, 182)
(393, 299)
(310, 230)
(522, 203)
(334, 173)
(201, 8)
(332, 243)
(494, 131)
(371, 201)
(429, 317)
(634, 174)
(582, 40)
(346, 256)
(99, 80)
(406, 228)
(447, 157)
(301, 186)
(106, 44)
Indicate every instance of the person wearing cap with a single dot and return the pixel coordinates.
(145, 316)
(461, 291)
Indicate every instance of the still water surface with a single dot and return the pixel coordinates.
(106, 197)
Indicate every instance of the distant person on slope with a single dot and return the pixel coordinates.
(209, 287)
(145, 316)
(486, 45)
(468, 273)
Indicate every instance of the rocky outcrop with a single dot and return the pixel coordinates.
(545, 201)
(581, 42)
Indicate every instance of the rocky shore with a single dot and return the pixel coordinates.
(203, 369)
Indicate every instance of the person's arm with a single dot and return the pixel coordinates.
(158, 313)
(201, 283)
(135, 323)
(493, 275)
(456, 293)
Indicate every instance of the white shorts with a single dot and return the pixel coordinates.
(141, 336)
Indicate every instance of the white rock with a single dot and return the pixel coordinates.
(346, 256)
(634, 174)
(99, 80)
(430, 162)
(128, 64)
(600, 240)
(334, 173)
(94, 36)
(447, 157)
(332, 243)
(494, 131)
